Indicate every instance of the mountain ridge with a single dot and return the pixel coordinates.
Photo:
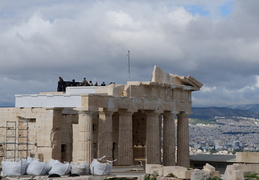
(234, 112)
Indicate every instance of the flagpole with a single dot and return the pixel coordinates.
(129, 63)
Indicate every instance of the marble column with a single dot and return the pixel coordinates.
(183, 155)
(84, 145)
(169, 139)
(105, 140)
(125, 142)
(153, 138)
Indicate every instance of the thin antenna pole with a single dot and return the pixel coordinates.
(129, 63)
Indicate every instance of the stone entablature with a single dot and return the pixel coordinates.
(138, 92)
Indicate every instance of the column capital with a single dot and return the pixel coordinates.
(150, 112)
(170, 112)
(130, 110)
(55, 108)
(183, 114)
(85, 110)
(107, 109)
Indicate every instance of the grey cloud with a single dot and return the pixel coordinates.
(91, 39)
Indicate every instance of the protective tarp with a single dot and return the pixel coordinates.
(38, 168)
(14, 168)
(80, 169)
(59, 168)
(100, 166)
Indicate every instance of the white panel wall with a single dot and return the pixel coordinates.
(48, 100)
(87, 90)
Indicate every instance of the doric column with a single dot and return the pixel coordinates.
(153, 138)
(183, 156)
(169, 139)
(125, 143)
(84, 145)
(105, 140)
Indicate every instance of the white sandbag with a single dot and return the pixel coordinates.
(80, 169)
(38, 168)
(16, 168)
(100, 166)
(59, 168)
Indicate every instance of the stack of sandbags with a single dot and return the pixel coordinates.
(14, 168)
(31, 166)
(80, 169)
(37, 168)
(100, 166)
(59, 168)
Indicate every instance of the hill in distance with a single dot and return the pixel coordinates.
(209, 114)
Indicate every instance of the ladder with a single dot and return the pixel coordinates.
(10, 141)
(16, 139)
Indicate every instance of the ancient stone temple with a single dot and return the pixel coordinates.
(134, 122)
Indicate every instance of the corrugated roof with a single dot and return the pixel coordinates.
(213, 158)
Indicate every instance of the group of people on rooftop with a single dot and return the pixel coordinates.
(90, 83)
(63, 84)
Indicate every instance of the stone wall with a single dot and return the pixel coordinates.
(49, 132)
(247, 157)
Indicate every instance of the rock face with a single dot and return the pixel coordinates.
(238, 171)
(234, 172)
(211, 171)
(119, 121)
(199, 174)
(165, 172)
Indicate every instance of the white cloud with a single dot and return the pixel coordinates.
(208, 89)
(36, 25)
(180, 17)
(41, 40)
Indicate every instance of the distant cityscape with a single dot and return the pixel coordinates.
(225, 135)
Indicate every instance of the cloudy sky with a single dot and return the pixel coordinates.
(215, 41)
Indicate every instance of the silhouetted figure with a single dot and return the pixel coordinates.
(90, 83)
(85, 82)
(61, 85)
(96, 83)
(103, 84)
(73, 82)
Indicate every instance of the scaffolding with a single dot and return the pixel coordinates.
(23, 138)
(10, 141)
(16, 139)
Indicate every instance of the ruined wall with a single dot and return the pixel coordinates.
(49, 132)
(38, 131)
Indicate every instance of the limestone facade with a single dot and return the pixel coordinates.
(130, 122)
(247, 157)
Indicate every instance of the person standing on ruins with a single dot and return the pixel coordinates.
(85, 82)
(60, 85)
